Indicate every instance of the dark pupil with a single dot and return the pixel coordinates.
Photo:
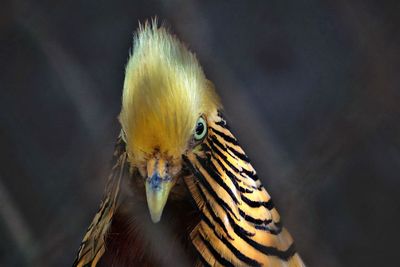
(199, 128)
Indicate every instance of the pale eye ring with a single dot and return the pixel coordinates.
(201, 129)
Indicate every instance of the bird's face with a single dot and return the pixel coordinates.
(158, 164)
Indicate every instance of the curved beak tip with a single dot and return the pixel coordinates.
(155, 218)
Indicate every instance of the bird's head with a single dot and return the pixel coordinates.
(166, 103)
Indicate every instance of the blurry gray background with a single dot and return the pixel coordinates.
(311, 89)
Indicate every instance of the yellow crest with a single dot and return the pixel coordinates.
(165, 91)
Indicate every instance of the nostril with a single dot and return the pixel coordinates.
(155, 181)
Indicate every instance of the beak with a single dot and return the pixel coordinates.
(157, 191)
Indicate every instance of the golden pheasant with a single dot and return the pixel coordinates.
(181, 191)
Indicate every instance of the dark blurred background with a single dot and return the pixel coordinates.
(311, 89)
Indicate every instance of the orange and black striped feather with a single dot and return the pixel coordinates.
(92, 246)
(240, 225)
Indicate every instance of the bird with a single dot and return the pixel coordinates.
(182, 191)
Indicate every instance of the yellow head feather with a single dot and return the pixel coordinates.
(165, 92)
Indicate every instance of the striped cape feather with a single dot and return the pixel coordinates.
(240, 225)
(93, 245)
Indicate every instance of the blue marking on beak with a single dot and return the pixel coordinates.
(157, 191)
(155, 182)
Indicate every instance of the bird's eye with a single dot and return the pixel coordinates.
(201, 129)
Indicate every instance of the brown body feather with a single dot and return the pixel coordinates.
(133, 240)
